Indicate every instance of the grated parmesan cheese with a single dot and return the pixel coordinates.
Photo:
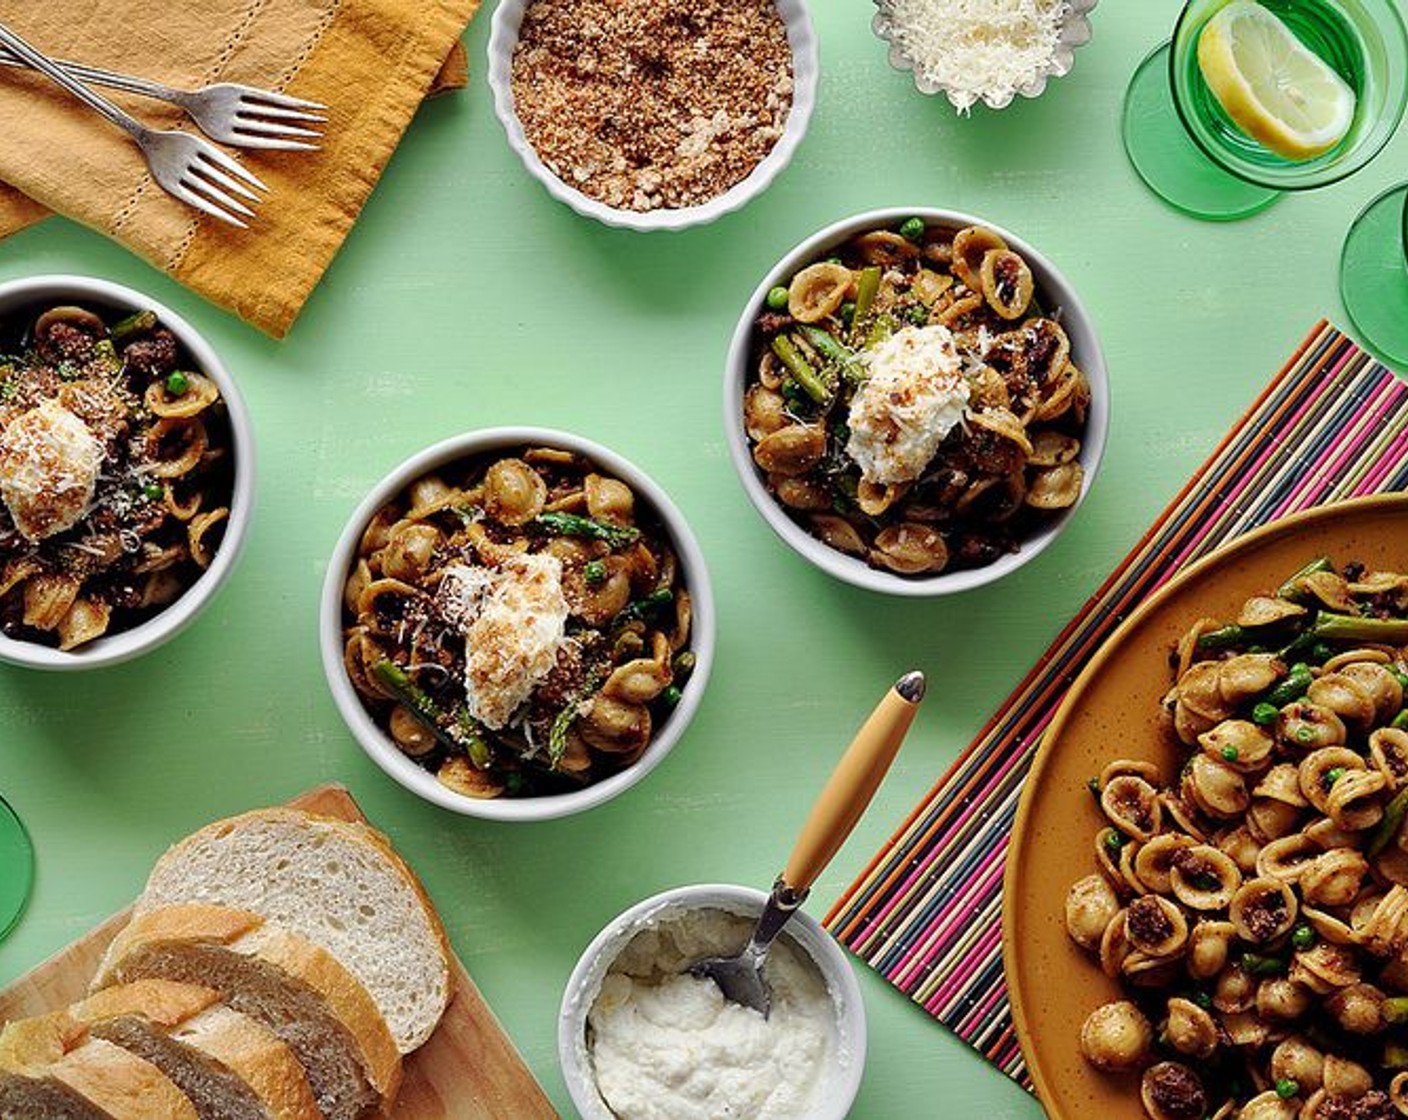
(975, 49)
(49, 463)
(514, 620)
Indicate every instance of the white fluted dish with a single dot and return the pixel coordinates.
(1075, 32)
(806, 65)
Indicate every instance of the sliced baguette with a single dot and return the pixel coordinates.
(340, 885)
(51, 1068)
(293, 987)
(25, 1098)
(229, 1065)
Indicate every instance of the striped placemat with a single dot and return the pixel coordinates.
(926, 913)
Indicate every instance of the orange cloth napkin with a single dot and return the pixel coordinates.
(370, 61)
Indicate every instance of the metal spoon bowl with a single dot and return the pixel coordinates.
(839, 806)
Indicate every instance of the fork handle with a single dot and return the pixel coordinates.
(128, 83)
(46, 66)
(853, 783)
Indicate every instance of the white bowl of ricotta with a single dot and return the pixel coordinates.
(1055, 293)
(640, 1039)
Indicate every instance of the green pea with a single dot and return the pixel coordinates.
(848, 313)
(1303, 937)
(1286, 1088)
(1264, 714)
(912, 229)
(1203, 1000)
(1304, 735)
(777, 299)
(1094, 787)
(1114, 841)
(152, 491)
(1334, 774)
(177, 383)
(671, 697)
(1229, 753)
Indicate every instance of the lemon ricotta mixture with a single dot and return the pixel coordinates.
(914, 396)
(667, 1046)
(514, 620)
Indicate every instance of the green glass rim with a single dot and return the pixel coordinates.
(16, 888)
(1339, 163)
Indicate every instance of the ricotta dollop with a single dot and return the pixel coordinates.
(513, 618)
(913, 396)
(49, 464)
(667, 1046)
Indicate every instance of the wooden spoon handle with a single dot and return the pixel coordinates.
(853, 783)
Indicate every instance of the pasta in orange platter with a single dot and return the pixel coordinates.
(1255, 904)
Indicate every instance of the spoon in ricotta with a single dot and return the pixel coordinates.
(842, 801)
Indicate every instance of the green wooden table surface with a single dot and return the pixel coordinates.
(467, 297)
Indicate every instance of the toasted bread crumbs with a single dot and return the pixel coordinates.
(652, 104)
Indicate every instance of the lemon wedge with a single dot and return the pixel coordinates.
(1271, 84)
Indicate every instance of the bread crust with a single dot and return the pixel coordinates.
(354, 832)
(120, 1084)
(244, 932)
(194, 1016)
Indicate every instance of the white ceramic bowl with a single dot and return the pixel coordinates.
(842, 1076)
(110, 299)
(801, 36)
(379, 745)
(1055, 292)
(1075, 32)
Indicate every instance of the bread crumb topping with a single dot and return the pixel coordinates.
(652, 105)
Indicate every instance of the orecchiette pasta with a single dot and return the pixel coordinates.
(115, 469)
(518, 624)
(1255, 904)
(977, 488)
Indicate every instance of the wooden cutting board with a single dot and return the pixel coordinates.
(468, 1070)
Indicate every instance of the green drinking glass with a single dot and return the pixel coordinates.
(1190, 153)
(16, 868)
(1374, 276)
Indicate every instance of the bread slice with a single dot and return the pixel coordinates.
(25, 1098)
(340, 885)
(297, 990)
(230, 1066)
(51, 1069)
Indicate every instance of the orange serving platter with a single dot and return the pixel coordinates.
(467, 1070)
(1113, 711)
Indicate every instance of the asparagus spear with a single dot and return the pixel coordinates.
(574, 525)
(1348, 628)
(812, 382)
(655, 601)
(454, 729)
(867, 287)
(1292, 589)
(844, 357)
(1292, 688)
(139, 322)
(1389, 824)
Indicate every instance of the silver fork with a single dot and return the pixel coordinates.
(196, 172)
(240, 116)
